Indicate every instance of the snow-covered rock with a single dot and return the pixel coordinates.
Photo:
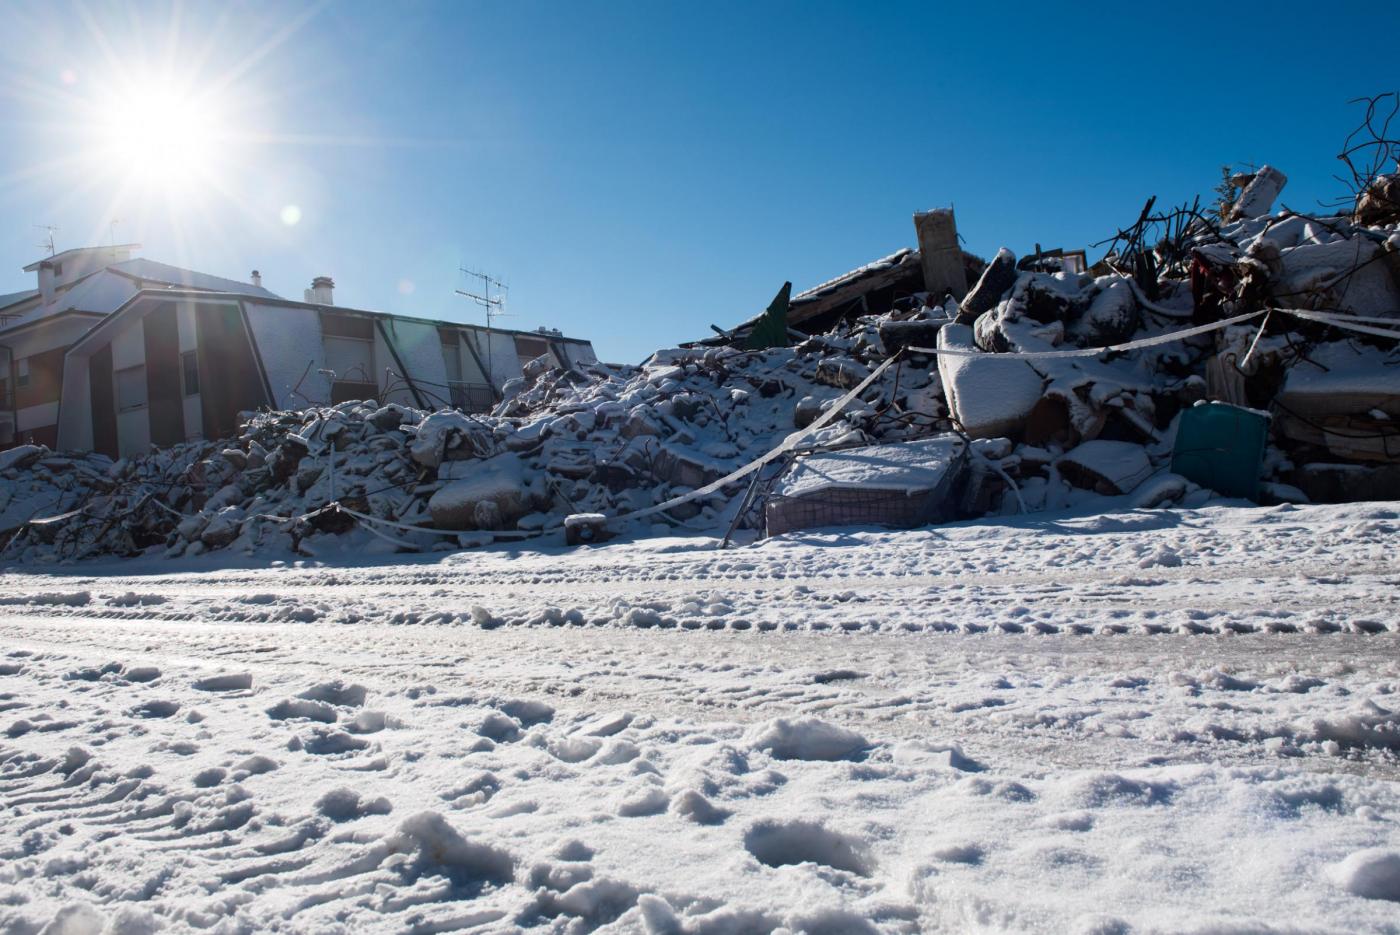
(480, 494)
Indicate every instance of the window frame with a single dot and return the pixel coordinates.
(186, 358)
(117, 390)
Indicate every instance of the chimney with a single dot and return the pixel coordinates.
(320, 291)
(256, 279)
(47, 287)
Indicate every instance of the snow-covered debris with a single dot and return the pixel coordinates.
(616, 440)
(988, 397)
(906, 484)
(1106, 467)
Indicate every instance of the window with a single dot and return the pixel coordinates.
(349, 344)
(530, 348)
(57, 270)
(189, 372)
(131, 388)
(351, 358)
(452, 362)
(22, 372)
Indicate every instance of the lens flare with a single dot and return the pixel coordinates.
(157, 134)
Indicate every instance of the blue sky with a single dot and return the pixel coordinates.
(637, 171)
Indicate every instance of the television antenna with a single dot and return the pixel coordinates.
(47, 243)
(493, 302)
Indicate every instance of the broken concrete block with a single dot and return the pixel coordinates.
(1380, 202)
(223, 527)
(237, 458)
(575, 462)
(582, 528)
(677, 465)
(387, 418)
(21, 457)
(499, 480)
(915, 332)
(1344, 397)
(988, 333)
(987, 394)
(307, 474)
(940, 255)
(1106, 467)
(1258, 196)
(536, 368)
(807, 411)
(1112, 317)
(1341, 275)
(641, 420)
(841, 372)
(449, 434)
(997, 279)
(1348, 483)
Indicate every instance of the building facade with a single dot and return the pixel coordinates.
(114, 354)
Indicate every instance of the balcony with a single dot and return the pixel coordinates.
(471, 397)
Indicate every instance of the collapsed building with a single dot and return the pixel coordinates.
(1251, 353)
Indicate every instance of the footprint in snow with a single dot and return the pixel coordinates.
(783, 843)
(345, 695)
(326, 742)
(343, 804)
(301, 708)
(155, 709)
(254, 765)
(207, 778)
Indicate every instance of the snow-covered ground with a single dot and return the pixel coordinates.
(1181, 721)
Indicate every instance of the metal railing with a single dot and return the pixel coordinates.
(471, 397)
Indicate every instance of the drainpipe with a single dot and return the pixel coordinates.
(10, 388)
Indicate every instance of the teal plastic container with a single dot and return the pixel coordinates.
(1221, 447)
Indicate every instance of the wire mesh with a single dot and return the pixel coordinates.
(854, 507)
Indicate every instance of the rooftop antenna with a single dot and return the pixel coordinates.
(495, 306)
(47, 243)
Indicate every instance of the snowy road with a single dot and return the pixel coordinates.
(1151, 721)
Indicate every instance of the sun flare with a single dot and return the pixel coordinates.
(159, 135)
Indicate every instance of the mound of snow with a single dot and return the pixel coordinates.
(1373, 873)
(441, 847)
(806, 739)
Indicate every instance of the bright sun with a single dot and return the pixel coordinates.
(158, 135)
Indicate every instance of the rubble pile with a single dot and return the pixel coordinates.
(1042, 429)
(597, 439)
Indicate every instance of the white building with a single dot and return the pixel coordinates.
(113, 353)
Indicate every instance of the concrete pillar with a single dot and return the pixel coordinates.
(940, 253)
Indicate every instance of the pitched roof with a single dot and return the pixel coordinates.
(105, 290)
(14, 298)
(58, 257)
(152, 271)
(898, 258)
